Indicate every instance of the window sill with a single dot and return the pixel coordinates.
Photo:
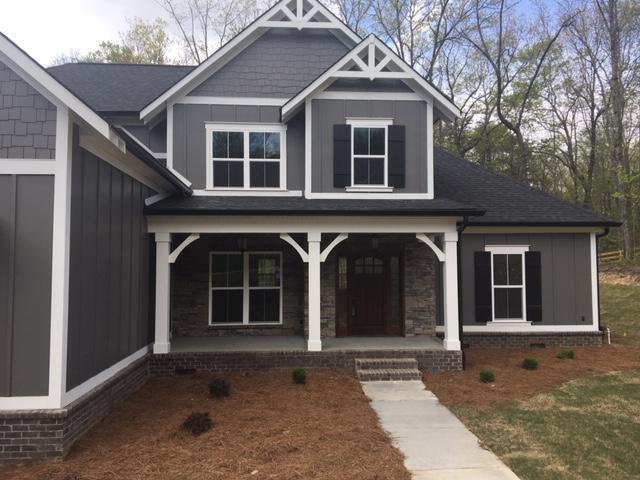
(369, 189)
(508, 323)
(244, 325)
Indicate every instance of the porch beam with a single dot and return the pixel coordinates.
(340, 238)
(287, 238)
(162, 342)
(314, 343)
(425, 239)
(450, 273)
(185, 243)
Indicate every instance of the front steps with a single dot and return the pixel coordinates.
(387, 369)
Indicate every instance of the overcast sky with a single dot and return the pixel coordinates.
(47, 28)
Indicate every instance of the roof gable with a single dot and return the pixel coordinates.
(371, 59)
(294, 14)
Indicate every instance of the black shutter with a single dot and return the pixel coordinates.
(483, 286)
(533, 278)
(341, 156)
(397, 153)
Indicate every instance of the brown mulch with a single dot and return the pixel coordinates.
(269, 428)
(514, 383)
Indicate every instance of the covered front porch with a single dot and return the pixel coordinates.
(305, 284)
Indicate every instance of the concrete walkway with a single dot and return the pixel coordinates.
(436, 445)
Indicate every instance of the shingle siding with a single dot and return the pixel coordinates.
(278, 64)
(27, 119)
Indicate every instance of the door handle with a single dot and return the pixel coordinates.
(353, 311)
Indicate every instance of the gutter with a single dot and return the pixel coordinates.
(604, 233)
(460, 228)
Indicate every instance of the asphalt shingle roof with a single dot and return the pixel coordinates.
(113, 87)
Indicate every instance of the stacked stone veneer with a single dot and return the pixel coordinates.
(41, 434)
(27, 119)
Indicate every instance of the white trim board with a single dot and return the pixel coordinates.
(533, 329)
(346, 95)
(102, 377)
(247, 193)
(391, 195)
(251, 101)
(298, 20)
(29, 166)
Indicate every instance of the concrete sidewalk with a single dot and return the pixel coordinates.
(436, 445)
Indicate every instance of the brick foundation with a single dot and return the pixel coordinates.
(569, 339)
(41, 434)
(428, 360)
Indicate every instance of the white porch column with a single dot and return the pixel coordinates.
(450, 282)
(162, 343)
(314, 343)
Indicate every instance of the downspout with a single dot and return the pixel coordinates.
(460, 228)
(598, 237)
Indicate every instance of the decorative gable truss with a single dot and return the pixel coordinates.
(371, 59)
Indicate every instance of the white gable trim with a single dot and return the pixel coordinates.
(287, 19)
(54, 91)
(372, 69)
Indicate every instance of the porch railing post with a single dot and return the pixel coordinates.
(162, 343)
(451, 315)
(314, 343)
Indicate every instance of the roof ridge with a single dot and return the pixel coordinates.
(520, 183)
(124, 64)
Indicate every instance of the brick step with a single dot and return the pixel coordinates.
(389, 374)
(385, 363)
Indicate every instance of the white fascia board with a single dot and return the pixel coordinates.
(407, 74)
(233, 47)
(300, 224)
(53, 90)
(253, 101)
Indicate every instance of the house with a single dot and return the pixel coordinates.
(281, 204)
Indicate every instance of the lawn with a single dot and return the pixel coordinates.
(620, 309)
(268, 428)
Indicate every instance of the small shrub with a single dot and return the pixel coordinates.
(219, 387)
(530, 364)
(299, 375)
(197, 423)
(487, 376)
(566, 354)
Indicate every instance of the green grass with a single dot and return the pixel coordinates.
(620, 310)
(589, 428)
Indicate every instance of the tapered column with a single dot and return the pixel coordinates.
(451, 316)
(314, 343)
(162, 343)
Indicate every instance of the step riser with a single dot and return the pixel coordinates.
(376, 364)
(391, 377)
(387, 369)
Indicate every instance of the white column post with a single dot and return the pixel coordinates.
(314, 344)
(450, 277)
(162, 343)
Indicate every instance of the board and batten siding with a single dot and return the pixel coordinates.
(327, 113)
(566, 274)
(26, 235)
(109, 291)
(189, 138)
(27, 119)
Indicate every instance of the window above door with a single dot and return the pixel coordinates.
(246, 156)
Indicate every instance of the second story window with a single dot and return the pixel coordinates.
(246, 156)
(369, 153)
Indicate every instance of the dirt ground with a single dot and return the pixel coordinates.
(269, 428)
(620, 274)
(514, 383)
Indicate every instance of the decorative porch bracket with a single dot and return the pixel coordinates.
(424, 238)
(304, 255)
(185, 243)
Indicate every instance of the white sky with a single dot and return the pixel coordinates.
(47, 28)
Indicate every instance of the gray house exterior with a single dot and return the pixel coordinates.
(282, 204)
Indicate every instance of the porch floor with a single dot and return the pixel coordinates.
(280, 343)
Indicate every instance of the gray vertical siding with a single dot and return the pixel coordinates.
(278, 64)
(154, 138)
(189, 142)
(109, 268)
(27, 119)
(411, 114)
(566, 274)
(26, 233)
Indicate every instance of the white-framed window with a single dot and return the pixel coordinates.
(508, 283)
(245, 288)
(246, 156)
(369, 152)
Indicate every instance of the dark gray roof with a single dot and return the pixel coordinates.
(462, 189)
(114, 87)
(505, 200)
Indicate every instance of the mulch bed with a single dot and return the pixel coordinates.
(514, 383)
(268, 428)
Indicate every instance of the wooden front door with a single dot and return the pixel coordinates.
(368, 296)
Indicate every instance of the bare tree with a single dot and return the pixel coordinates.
(356, 14)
